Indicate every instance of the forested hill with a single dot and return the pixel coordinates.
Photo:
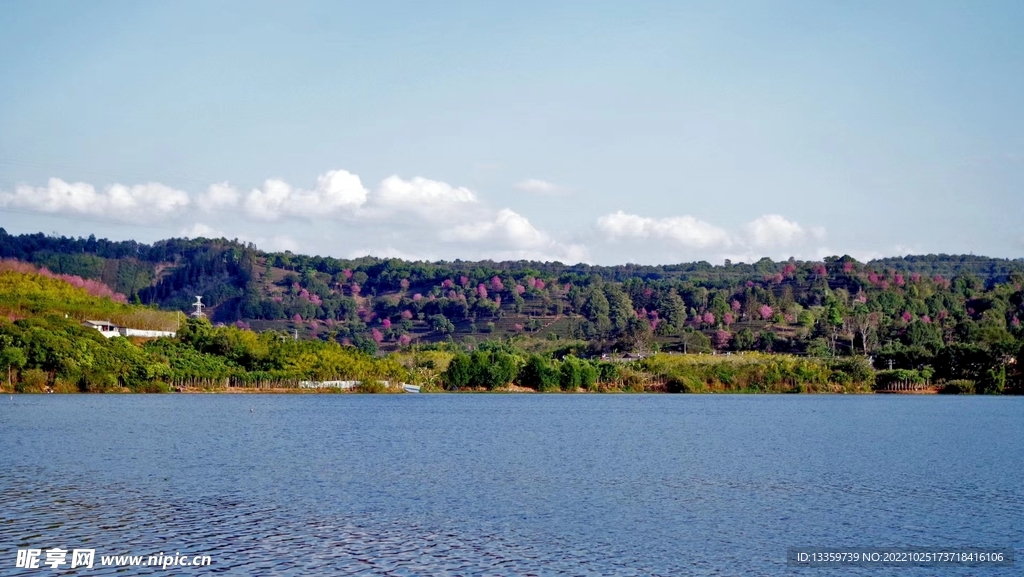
(907, 309)
(132, 267)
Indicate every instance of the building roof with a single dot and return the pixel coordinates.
(99, 323)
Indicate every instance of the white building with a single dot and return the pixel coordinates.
(109, 329)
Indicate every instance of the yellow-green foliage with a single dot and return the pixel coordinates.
(757, 372)
(32, 381)
(424, 367)
(24, 294)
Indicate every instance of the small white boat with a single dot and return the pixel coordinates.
(410, 388)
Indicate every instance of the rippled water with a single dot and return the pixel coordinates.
(508, 484)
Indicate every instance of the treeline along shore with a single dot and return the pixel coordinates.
(917, 324)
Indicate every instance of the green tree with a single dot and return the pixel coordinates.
(459, 373)
(538, 374)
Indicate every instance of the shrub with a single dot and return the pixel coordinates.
(373, 387)
(100, 382)
(153, 387)
(64, 386)
(958, 387)
(32, 381)
(684, 384)
(538, 374)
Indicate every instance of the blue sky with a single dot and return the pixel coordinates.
(601, 132)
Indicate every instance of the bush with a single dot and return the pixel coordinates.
(538, 374)
(373, 387)
(684, 384)
(100, 382)
(958, 387)
(153, 387)
(570, 376)
(32, 381)
(459, 373)
(64, 386)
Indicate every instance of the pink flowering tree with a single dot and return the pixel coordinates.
(404, 340)
(404, 284)
(447, 283)
(709, 318)
(386, 323)
(377, 336)
(297, 318)
(406, 315)
(727, 319)
(721, 339)
(766, 312)
(907, 317)
(417, 297)
(464, 280)
(520, 289)
(496, 284)
(481, 291)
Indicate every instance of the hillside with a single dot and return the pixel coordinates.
(900, 309)
(543, 326)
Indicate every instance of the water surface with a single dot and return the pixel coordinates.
(508, 484)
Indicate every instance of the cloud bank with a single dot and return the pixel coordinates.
(144, 202)
(768, 235)
(415, 218)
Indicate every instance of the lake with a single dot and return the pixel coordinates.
(486, 484)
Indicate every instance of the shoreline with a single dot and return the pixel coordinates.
(505, 391)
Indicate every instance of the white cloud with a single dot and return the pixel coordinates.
(768, 235)
(408, 218)
(220, 196)
(140, 202)
(421, 193)
(202, 230)
(773, 230)
(336, 192)
(538, 186)
(390, 252)
(512, 236)
(685, 230)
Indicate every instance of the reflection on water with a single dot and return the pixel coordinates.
(506, 485)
